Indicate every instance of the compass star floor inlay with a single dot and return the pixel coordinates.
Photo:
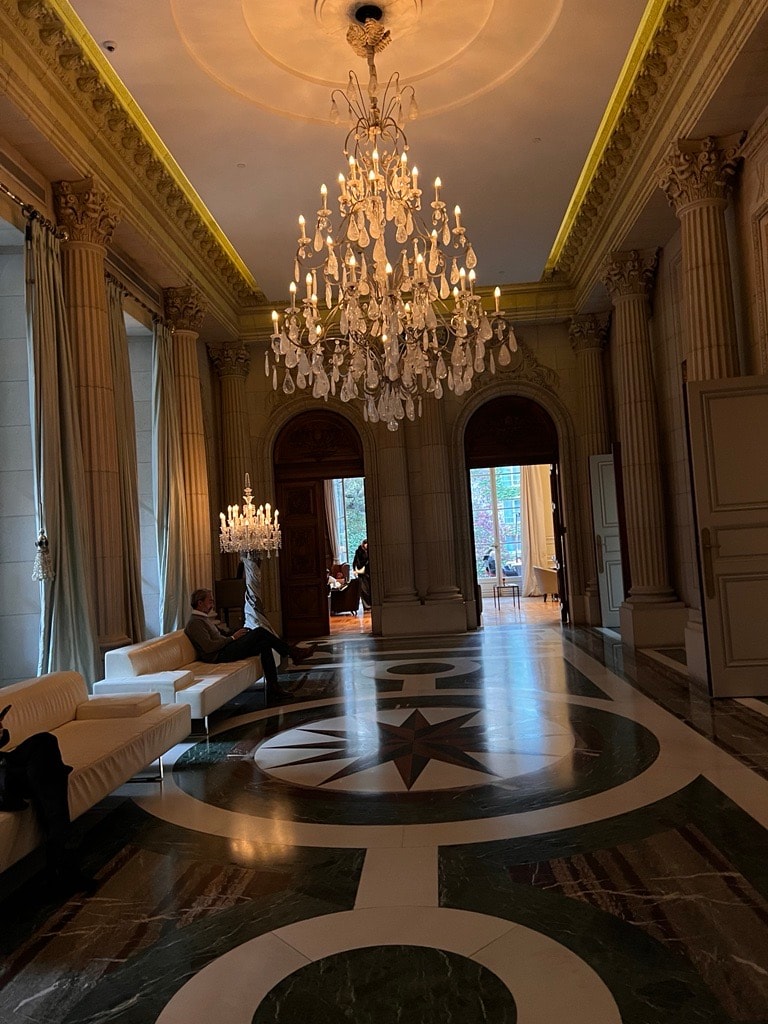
(503, 825)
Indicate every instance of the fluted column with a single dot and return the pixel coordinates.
(629, 279)
(232, 364)
(394, 561)
(184, 311)
(589, 334)
(698, 180)
(89, 218)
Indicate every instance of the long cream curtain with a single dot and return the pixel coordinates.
(170, 513)
(535, 522)
(128, 483)
(67, 616)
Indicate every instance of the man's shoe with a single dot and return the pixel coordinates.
(280, 696)
(299, 655)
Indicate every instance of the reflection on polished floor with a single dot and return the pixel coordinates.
(523, 824)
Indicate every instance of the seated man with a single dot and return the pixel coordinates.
(34, 772)
(214, 643)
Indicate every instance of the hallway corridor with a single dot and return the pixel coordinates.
(515, 825)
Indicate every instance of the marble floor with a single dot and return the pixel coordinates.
(525, 824)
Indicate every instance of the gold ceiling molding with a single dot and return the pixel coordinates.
(666, 33)
(64, 44)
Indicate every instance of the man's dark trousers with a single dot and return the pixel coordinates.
(257, 642)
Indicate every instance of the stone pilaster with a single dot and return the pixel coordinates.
(698, 181)
(651, 614)
(89, 217)
(589, 335)
(232, 364)
(395, 562)
(185, 311)
(432, 520)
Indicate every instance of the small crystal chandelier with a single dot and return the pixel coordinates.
(394, 329)
(252, 529)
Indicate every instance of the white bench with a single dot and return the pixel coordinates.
(107, 740)
(168, 665)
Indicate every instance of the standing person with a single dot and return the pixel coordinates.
(34, 772)
(361, 566)
(213, 642)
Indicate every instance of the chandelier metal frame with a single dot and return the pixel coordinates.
(388, 335)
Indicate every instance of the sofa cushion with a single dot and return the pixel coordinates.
(127, 705)
(42, 704)
(166, 684)
(161, 654)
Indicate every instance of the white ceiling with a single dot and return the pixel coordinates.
(510, 92)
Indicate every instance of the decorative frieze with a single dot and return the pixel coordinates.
(112, 120)
(677, 31)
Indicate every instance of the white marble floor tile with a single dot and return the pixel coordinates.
(399, 878)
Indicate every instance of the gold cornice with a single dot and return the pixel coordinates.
(646, 31)
(65, 45)
(667, 42)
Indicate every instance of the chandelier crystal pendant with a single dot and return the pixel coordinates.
(250, 528)
(400, 319)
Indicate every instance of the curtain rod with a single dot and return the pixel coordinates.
(31, 213)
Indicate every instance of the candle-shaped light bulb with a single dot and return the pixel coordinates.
(415, 176)
(292, 289)
(247, 481)
(472, 280)
(302, 223)
(375, 157)
(438, 186)
(463, 278)
(223, 519)
(457, 215)
(308, 279)
(496, 297)
(275, 320)
(324, 195)
(342, 185)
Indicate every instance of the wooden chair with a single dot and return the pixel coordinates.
(347, 599)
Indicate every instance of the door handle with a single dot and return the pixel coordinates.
(600, 563)
(707, 547)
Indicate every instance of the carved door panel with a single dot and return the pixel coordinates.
(605, 522)
(303, 577)
(729, 453)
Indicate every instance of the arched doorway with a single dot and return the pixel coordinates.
(512, 430)
(311, 448)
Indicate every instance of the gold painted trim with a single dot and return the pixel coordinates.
(92, 51)
(649, 23)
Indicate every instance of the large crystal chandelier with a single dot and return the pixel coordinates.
(249, 529)
(392, 328)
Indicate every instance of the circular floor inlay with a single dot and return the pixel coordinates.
(413, 749)
(388, 985)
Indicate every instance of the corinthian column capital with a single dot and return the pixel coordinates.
(85, 211)
(230, 360)
(630, 273)
(589, 331)
(185, 308)
(701, 169)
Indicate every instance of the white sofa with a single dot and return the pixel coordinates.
(168, 665)
(546, 581)
(105, 739)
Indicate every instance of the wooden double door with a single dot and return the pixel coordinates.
(313, 447)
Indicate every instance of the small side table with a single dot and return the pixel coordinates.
(511, 588)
